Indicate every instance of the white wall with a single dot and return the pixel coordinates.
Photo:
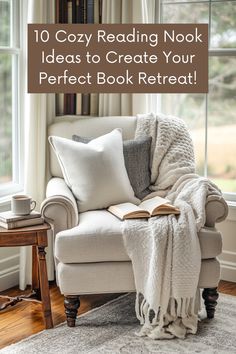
(228, 256)
(9, 263)
(9, 267)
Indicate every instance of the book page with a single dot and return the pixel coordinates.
(123, 209)
(153, 203)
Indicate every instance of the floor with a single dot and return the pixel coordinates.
(26, 319)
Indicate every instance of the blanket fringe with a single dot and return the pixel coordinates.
(176, 321)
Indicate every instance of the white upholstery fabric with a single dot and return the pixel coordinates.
(60, 207)
(210, 242)
(58, 187)
(58, 194)
(116, 277)
(98, 238)
(95, 236)
(210, 273)
(95, 278)
(216, 210)
(95, 172)
(88, 127)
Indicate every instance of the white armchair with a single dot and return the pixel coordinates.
(89, 253)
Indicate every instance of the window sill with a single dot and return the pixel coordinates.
(232, 211)
(7, 190)
(5, 202)
(231, 204)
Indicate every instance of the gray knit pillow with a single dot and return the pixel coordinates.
(137, 163)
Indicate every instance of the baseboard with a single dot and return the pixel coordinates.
(228, 266)
(228, 271)
(9, 272)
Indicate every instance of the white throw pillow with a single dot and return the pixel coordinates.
(95, 172)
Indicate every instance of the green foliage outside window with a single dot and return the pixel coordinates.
(220, 104)
(5, 96)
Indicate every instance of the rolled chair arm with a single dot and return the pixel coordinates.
(60, 207)
(216, 210)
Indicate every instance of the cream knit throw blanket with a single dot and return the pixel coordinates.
(164, 250)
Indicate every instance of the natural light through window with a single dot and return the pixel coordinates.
(212, 117)
(9, 107)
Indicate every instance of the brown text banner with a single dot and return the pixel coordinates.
(135, 58)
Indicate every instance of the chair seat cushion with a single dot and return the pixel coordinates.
(98, 238)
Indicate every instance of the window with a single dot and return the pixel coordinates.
(211, 118)
(10, 174)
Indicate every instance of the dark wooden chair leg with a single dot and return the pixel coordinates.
(71, 303)
(210, 295)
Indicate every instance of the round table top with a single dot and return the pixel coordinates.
(33, 228)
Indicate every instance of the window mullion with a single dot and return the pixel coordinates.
(15, 122)
(157, 11)
(15, 33)
(194, 2)
(206, 137)
(9, 50)
(207, 97)
(229, 52)
(13, 51)
(15, 92)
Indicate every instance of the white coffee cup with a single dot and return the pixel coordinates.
(22, 204)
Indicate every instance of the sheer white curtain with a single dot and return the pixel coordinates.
(127, 11)
(36, 119)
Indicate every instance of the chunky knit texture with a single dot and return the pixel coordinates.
(165, 250)
(172, 153)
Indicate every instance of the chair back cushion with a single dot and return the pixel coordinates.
(94, 127)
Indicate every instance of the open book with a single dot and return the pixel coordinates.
(146, 209)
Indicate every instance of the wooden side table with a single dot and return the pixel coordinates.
(35, 236)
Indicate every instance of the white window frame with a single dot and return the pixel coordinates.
(231, 197)
(15, 49)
